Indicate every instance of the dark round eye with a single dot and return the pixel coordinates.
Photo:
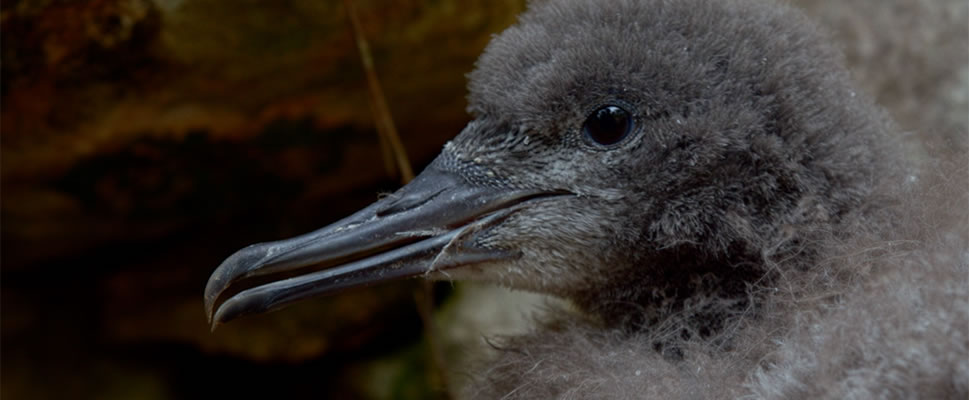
(608, 125)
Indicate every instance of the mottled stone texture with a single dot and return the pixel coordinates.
(143, 141)
(127, 119)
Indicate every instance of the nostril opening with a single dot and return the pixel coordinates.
(408, 201)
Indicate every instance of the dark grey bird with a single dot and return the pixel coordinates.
(702, 180)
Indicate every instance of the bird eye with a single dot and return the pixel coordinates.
(608, 125)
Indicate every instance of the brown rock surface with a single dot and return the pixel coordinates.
(143, 141)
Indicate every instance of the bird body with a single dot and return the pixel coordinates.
(730, 216)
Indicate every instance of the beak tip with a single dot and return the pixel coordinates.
(209, 301)
(231, 309)
(208, 312)
(223, 276)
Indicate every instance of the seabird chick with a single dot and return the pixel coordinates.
(730, 216)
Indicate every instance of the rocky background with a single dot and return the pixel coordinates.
(143, 141)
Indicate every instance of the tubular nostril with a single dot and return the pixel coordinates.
(408, 201)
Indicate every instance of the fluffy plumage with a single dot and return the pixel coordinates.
(808, 258)
(749, 148)
(891, 323)
(758, 232)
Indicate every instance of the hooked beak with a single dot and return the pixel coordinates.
(428, 225)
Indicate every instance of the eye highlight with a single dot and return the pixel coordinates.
(608, 125)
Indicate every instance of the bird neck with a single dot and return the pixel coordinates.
(698, 294)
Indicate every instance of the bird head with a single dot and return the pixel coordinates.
(620, 151)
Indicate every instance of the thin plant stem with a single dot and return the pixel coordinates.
(423, 296)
